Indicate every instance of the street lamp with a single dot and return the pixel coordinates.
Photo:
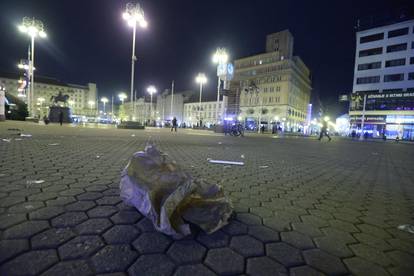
(151, 90)
(134, 15)
(220, 57)
(33, 28)
(91, 104)
(122, 96)
(104, 100)
(201, 79)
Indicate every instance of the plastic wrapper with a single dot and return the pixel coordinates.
(170, 197)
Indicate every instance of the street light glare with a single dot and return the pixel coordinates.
(151, 89)
(42, 34)
(104, 99)
(143, 24)
(220, 56)
(201, 78)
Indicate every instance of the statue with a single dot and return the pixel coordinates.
(59, 98)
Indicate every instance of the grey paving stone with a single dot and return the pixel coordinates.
(249, 219)
(102, 211)
(80, 206)
(262, 266)
(11, 248)
(109, 200)
(26, 207)
(235, 228)
(69, 219)
(192, 270)
(80, 247)
(25, 229)
(8, 220)
(30, 263)
(284, 254)
(61, 201)
(247, 246)
(93, 226)
(358, 266)
(324, 262)
(152, 242)
(297, 239)
(113, 258)
(126, 217)
(370, 253)
(52, 238)
(304, 271)
(11, 200)
(400, 258)
(145, 225)
(89, 196)
(224, 261)
(70, 268)
(334, 246)
(152, 265)
(187, 251)
(214, 240)
(264, 233)
(121, 234)
(46, 213)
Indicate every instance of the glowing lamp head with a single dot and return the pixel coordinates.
(91, 103)
(151, 89)
(220, 56)
(201, 78)
(326, 118)
(104, 100)
(122, 96)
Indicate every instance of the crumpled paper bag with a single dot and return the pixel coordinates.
(170, 197)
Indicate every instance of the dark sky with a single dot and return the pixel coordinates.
(89, 42)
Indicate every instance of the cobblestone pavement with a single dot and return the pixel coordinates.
(302, 207)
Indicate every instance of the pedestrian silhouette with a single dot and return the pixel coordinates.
(324, 131)
(174, 124)
(61, 117)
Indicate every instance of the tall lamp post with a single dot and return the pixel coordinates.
(151, 90)
(33, 28)
(134, 15)
(201, 79)
(40, 101)
(104, 100)
(91, 104)
(122, 96)
(220, 57)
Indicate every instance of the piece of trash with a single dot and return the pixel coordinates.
(242, 156)
(263, 167)
(6, 140)
(407, 228)
(18, 139)
(98, 156)
(25, 135)
(132, 135)
(170, 197)
(54, 144)
(34, 181)
(219, 143)
(226, 162)
(29, 206)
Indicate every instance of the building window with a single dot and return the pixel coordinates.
(364, 80)
(370, 52)
(395, 62)
(370, 38)
(393, 77)
(398, 32)
(412, 45)
(397, 47)
(368, 66)
(411, 76)
(411, 60)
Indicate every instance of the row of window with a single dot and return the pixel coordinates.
(389, 49)
(380, 36)
(388, 63)
(387, 78)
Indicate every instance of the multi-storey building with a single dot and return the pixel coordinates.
(82, 98)
(272, 87)
(145, 113)
(384, 78)
(169, 106)
(206, 112)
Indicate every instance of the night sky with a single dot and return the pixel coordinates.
(88, 41)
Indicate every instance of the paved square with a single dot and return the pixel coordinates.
(302, 207)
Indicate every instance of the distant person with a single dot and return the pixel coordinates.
(61, 117)
(353, 134)
(262, 129)
(45, 120)
(174, 124)
(324, 131)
